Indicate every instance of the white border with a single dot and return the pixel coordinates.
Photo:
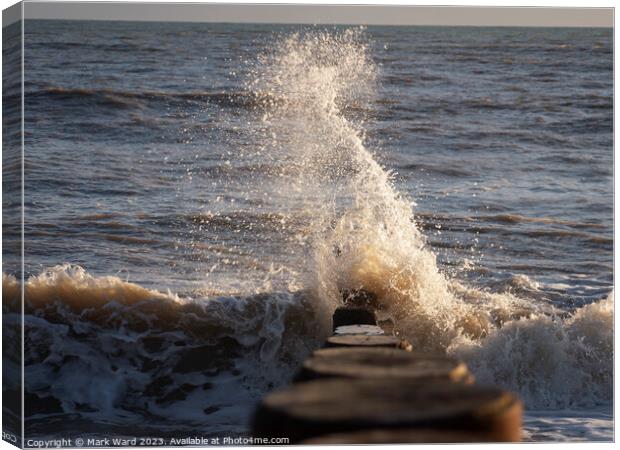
(556, 3)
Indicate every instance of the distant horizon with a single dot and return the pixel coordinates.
(307, 14)
(323, 24)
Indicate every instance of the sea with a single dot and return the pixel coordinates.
(197, 195)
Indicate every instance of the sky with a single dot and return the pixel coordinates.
(320, 14)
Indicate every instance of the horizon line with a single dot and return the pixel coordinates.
(321, 24)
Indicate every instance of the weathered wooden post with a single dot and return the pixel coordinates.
(360, 340)
(368, 387)
(315, 408)
(382, 363)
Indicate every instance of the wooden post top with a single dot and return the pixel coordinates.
(334, 406)
(390, 364)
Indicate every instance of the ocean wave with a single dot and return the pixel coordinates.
(517, 218)
(553, 363)
(99, 347)
(535, 227)
(133, 99)
(140, 342)
(439, 169)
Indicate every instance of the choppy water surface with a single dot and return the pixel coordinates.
(197, 195)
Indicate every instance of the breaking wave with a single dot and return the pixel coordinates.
(104, 349)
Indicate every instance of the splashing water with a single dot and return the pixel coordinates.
(363, 236)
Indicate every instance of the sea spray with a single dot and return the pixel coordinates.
(363, 236)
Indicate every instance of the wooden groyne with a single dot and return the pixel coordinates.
(367, 386)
